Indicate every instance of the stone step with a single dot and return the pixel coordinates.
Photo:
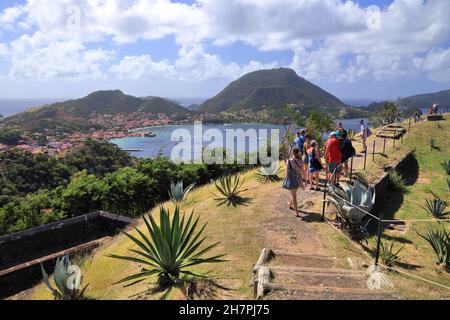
(326, 271)
(322, 280)
(279, 292)
(303, 260)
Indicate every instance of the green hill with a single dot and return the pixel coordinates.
(74, 113)
(419, 101)
(426, 100)
(272, 90)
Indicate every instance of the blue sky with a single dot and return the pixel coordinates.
(362, 49)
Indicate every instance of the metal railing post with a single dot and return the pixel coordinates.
(395, 138)
(380, 231)
(351, 169)
(365, 160)
(384, 145)
(324, 199)
(373, 151)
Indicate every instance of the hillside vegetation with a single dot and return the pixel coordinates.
(272, 90)
(72, 115)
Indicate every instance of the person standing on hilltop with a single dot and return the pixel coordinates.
(305, 157)
(365, 133)
(294, 178)
(315, 165)
(300, 140)
(333, 157)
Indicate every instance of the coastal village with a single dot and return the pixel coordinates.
(115, 126)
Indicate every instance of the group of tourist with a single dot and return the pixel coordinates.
(306, 161)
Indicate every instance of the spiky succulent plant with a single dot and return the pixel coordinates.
(68, 280)
(270, 173)
(230, 190)
(439, 240)
(168, 249)
(177, 193)
(437, 208)
(389, 257)
(352, 202)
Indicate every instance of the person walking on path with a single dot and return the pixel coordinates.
(365, 134)
(305, 157)
(294, 178)
(347, 151)
(315, 165)
(333, 158)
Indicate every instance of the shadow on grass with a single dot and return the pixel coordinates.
(394, 198)
(234, 202)
(192, 289)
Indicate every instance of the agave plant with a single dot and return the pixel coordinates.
(352, 204)
(446, 166)
(397, 181)
(389, 257)
(437, 208)
(270, 174)
(230, 190)
(169, 249)
(440, 242)
(177, 193)
(68, 280)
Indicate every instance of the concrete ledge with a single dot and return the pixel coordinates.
(21, 253)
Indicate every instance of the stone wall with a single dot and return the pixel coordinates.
(21, 253)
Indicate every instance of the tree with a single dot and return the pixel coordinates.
(131, 193)
(22, 173)
(97, 157)
(317, 123)
(85, 193)
(389, 112)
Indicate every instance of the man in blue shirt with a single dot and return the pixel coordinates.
(300, 140)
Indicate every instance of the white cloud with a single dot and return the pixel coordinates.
(40, 57)
(143, 67)
(9, 16)
(3, 50)
(192, 64)
(330, 39)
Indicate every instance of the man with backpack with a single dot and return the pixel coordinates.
(347, 150)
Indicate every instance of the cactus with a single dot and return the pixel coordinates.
(352, 204)
(177, 193)
(269, 174)
(68, 280)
